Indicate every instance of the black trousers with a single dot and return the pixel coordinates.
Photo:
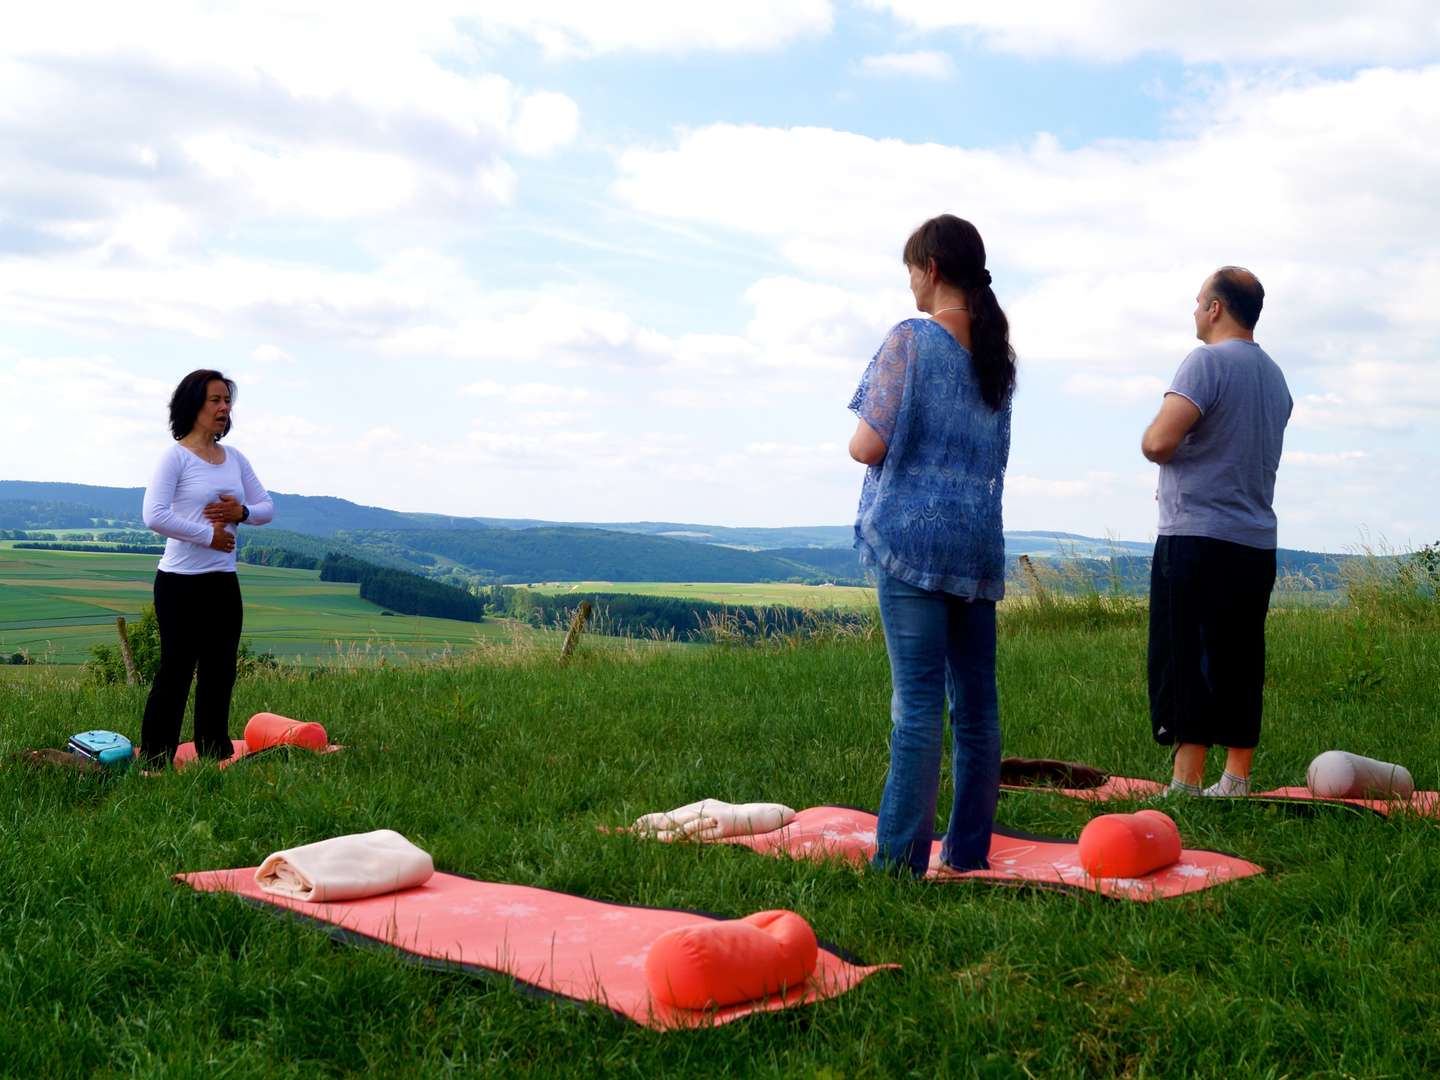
(200, 617)
(1208, 602)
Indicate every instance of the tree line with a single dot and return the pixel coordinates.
(671, 617)
(109, 549)
(399, 590)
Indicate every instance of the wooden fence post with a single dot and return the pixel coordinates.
(132, 676)
(577, 626)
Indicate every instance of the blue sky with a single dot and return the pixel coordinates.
(627, 261)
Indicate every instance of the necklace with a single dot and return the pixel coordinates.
(938, 311)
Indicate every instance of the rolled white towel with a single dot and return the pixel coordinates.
(346, 867)
(712, 819)
(1336, 774)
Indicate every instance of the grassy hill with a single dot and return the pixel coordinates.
(55, 605)
(572, 554)
(501, 550)
(1323, 966)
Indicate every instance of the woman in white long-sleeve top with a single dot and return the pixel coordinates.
(200, 493)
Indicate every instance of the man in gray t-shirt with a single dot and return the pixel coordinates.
(1217, 440)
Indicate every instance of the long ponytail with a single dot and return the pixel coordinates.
(959, 256)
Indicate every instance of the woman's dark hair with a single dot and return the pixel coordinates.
(959, 256)
(189, 399)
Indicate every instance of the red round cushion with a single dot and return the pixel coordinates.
(1129, 845)
(265, 730)
(725, 963)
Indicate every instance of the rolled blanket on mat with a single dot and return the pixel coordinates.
(1336, 774)
(1030, 772)
(711, 819)
(346, 868)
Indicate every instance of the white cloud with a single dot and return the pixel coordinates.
(1374, 395)
(306, 181)
(1097, 251)
(1050, 487)
(94, 397)
(545, 122)
(1117, 388)
(552, 420)
(581, 27)
(1310, 460)
(141, 137)
(923, 64)
(533, 393)
(1322, 31)
(795, 456)
(271, 354)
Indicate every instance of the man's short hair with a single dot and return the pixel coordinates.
(1239, 292)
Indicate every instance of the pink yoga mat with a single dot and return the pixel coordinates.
(185, 754)
(839, 832)
(571, 946)
(1421, 803)
(1116, 787)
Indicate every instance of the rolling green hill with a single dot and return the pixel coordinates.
(54, 605)
(571, 554)
(498, 550)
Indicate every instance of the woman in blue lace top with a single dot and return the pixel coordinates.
(934, 429)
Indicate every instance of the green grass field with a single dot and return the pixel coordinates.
(504, 767)
(809, 597)
(56, 605)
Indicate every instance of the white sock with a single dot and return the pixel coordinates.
(1229, 784)
(1179, 787)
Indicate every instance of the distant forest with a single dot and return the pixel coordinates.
(399, 590)
(668, 617)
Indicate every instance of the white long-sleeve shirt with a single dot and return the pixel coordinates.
(183, 485)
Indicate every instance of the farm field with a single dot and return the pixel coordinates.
(810, 597)
(56, 605)
(504, 766)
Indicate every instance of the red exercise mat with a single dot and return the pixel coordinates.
(571, 946)
(1421, 803)
(840, 832)
(185, 754)
(1115, 787)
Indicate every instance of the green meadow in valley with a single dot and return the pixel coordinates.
(56, 605)
(744, 594)
(504, 763)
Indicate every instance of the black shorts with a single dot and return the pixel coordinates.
(1208, 601)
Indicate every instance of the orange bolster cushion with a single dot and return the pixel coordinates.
(1129, 845)
(724, 963)
(266, 729)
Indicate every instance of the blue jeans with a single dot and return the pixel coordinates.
(940, 646)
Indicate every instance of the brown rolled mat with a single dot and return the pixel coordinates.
(46, 757)
(1037, 772)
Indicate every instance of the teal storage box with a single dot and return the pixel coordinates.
(108, 748)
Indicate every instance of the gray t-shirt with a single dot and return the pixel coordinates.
(1221, 481)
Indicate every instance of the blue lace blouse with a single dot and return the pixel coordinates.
(930, 512)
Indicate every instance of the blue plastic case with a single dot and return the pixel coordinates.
(108, 748)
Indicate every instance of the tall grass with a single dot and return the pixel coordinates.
(502, 766)
(1380, 582)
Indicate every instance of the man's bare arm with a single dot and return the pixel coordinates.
(1178, 414)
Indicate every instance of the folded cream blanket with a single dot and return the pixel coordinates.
(346, 867)
(711, 819)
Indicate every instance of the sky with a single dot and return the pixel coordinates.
(627, 261)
